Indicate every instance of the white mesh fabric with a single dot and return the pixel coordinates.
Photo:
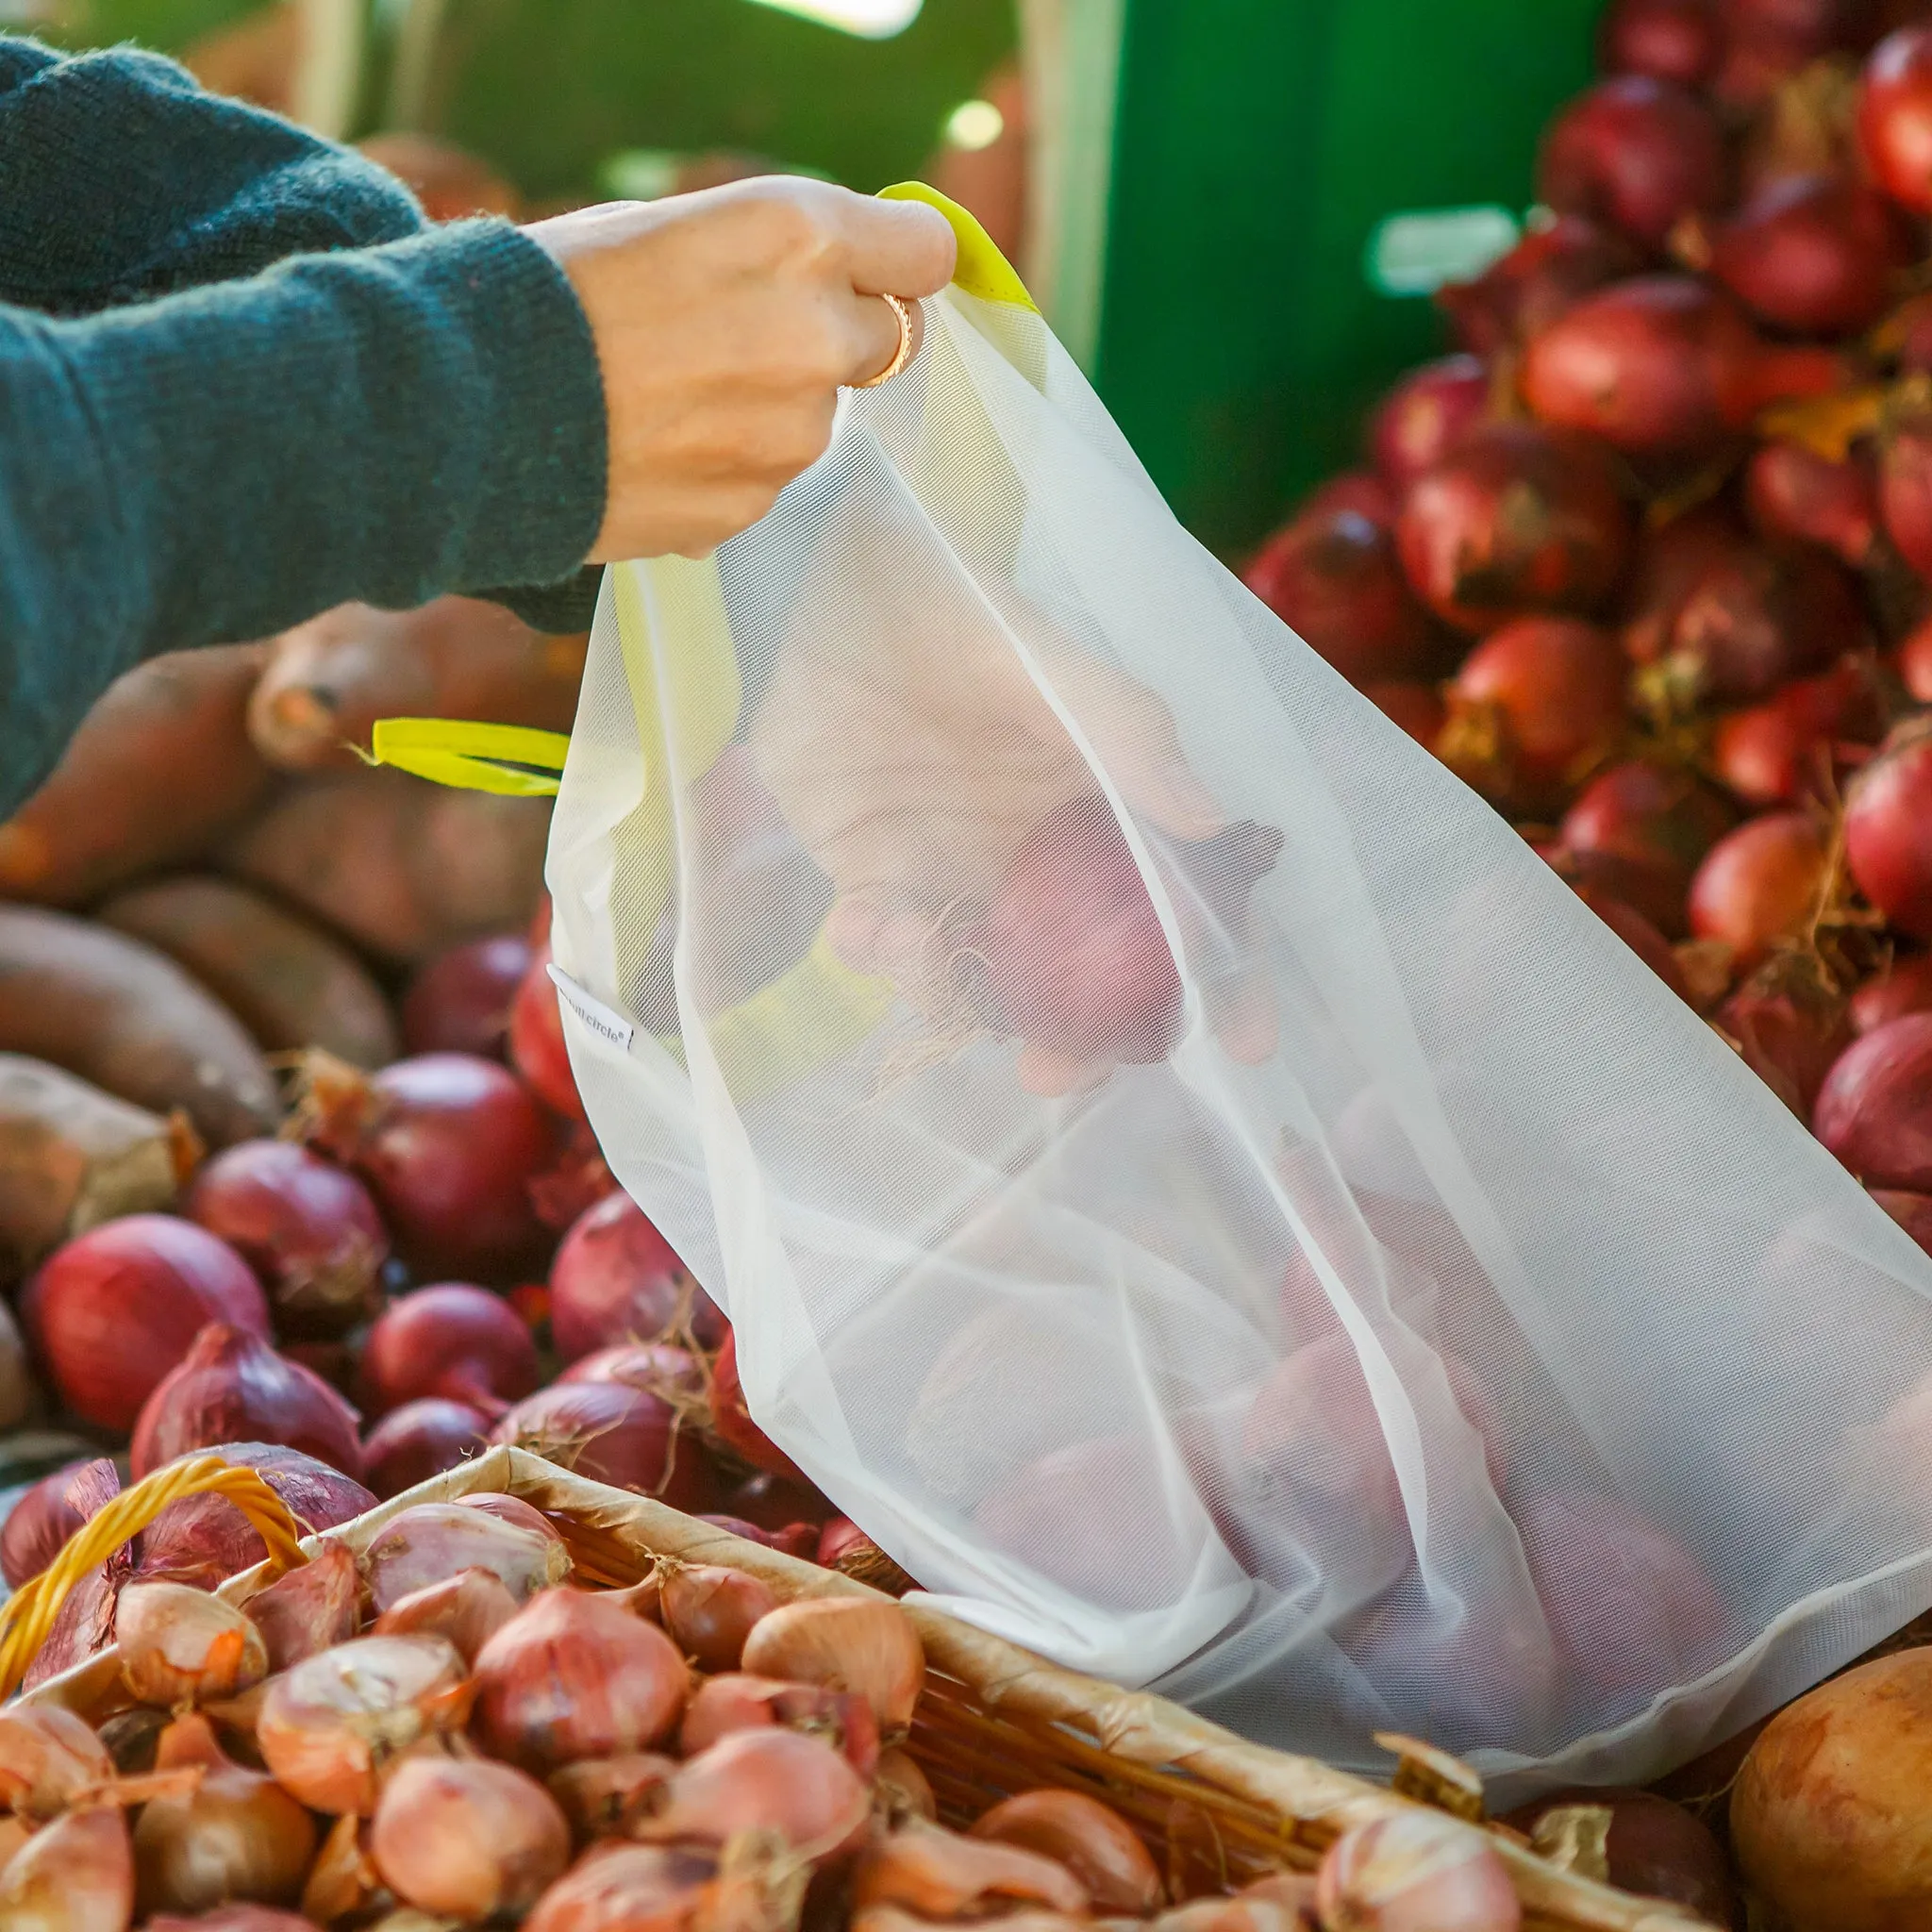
(1496, 1360)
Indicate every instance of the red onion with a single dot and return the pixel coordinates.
(1671, 562)
(1887, 812)
(232, 1386)
(661, 1368)
(1635, 153)
(1771, 42)
(448, 1143)
(616, 1278)
(1655, 1848)
(1905, 484)
(1913, 662)
(1418, 422)
(1795, 494)
(839, 1535)
(795, 1539)
(1895, 117)
(459, 1001)
(615, 1435)
(309, 1230)
(1668, 40)
(309, 1610)
(1913, 1212)
(113, 1310)
(1760, 884)
(537, 1047)
(775, 1502)
(37, 1526)
(1416, 708)
(1903, 986)
(1790, 1025)
(1523, 293)
(1659, 821)
(1535, 705)
(732, 1425)
(1517, 519)
(1813, 254)
(1075, 958)
(419, 1439)
(1333, 577)
(1664, 365)
(201, 1539)
(1784, 751)
(1639, 935)
(1605, 875)
(1365, 492)
(1875, 1110)
(431, 1541)
(1630, 1607)
(574, 1182)
(451, 1339)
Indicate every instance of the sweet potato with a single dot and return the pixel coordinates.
(161, 768)
(285, 979)
(330, 679)
(125, 1016)
(72, 1157)
(400, 866)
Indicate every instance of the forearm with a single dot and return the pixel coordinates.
(383, 424)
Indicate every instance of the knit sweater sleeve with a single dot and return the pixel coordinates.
(242, 383)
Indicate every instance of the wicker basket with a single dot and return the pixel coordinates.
(995, 1718)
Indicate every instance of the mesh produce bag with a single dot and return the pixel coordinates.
(1186, 1176)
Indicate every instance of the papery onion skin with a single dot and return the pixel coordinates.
(420, 1440)
(74, 1876)
(311, 1609)
(231, 1386)
(738, 1701)
(617, 1279)
(1415, 1871)
(452, 1340)
(1636, 153)
(620, 1887)
(48, 1755)
(940, 1875)
(778, 1781)
(1655, 1848)
(431, 1541)
(327, 1727)
(603, 1797)
(238, 1836)
(468, 1838)
(306, 1228)
(1887, 810)
(1095, 1844)
(861, 1644)
(37, 1526)
(179, 1643)
(1905, 987)
(1822, 1826)
(575, 1675)
(1760, 884)
(1875, 1110)
(459, 1001)
(709, 1611)
(1895, 117)
(111, 1311)
(612, 1434)
(469, 1608)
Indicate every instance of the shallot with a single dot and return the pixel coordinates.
(1418, 422)
(49, 1758)
(1415, 1871)
(604, 1797)
(310, 1608)
(1093, 1841)
(74, 1876)
(306, 1228)
(1657, 820)
(1895, 117)
(860, 1644)
(710, 1611)
(659, 1367)
(1813, 254)
(1886, 812)
(37, 1526)
(1903, 987)
(232, 1386)
(620, 1887)
(430, 1541)
(1875, 1109)
(939, 1875)
(617, 1279)
(113, 1310)
(420, 1440)
(737, 1700)
(469, 1608)
(1787, 1020)
(1652, 1847)
(1788, 748)
(1520, 295)
(459, 1001)
(1637, 152)
(1795, 494)
(1760, 885)
(793, 1787)
(467, 1838)
(575, 1675)
(1334, 578)
(180, 1644)
(450, 1339)
(612, 1434)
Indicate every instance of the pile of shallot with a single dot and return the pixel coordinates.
(447, 1731)
(1645, 560)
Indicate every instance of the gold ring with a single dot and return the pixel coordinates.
(903, 354)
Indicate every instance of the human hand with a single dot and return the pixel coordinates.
(726, 324)
(912, 753)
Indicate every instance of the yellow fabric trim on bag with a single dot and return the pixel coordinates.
(981, 270)
(817, 1010)
(473, 756)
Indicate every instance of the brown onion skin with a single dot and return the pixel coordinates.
(111, 1311)
(1635, 153)
(1523, 293)
(1760, 884)
(1094, 1842)
(459, 1001)
(37, 1526)
(1875, 1110)
(420, 1440)
(616, 1279)
(452, 1340)
(612, 1434)
(1905, 987)
(1655, 1848)
(1558, 546)
(469, 1608)
(620, 1887)
(1679, 41)
(1813, 254)
(1887, 810)
(231, 1386)
(709, 1611)
(430, 1541)
(778, 1781)
(467, 1838)
(1820, 1825)
(1333, 577)
(306, 1228)
(1895, 117)
(575, 1675)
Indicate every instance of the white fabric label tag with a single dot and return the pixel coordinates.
(606, 1021)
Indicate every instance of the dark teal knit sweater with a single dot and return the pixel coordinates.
(240, 382)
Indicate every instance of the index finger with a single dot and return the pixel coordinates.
(900, 249)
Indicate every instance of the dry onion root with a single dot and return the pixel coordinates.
(328, 1726)
(180, 1645)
